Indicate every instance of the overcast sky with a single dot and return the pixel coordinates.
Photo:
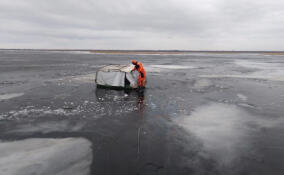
(143, 24)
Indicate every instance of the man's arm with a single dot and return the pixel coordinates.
(136, 67)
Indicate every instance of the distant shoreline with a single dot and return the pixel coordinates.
(169, 52)
(159, 52)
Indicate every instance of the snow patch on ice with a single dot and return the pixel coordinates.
(272, 76)
(46, 156)
(242, 97)
(263, 70)
(162, 68)
(172, 66)
(97, 66)
(202, 83)
(47, 127)
(85, 78)
(257, 64)
(10, 96)
(266, 70)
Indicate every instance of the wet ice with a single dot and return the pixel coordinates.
(199, 113)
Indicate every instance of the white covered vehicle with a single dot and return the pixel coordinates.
(117, 76)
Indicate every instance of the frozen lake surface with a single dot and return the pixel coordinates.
(200, 114)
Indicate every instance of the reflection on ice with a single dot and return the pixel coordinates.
(225, 130)
(46, 156)
(220, 127)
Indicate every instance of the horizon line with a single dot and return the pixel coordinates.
(143, 50)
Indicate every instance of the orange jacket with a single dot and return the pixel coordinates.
(139, 67)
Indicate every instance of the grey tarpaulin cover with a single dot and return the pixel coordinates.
(117, 76)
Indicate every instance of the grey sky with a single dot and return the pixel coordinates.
(143, 24)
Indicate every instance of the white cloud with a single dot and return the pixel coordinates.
(142, 24)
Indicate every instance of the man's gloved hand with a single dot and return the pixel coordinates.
(142, 75)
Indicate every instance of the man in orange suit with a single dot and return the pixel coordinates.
(142, 73)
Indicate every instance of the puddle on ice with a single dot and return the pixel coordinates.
(224, 129)
(10, 96)
(46, 156)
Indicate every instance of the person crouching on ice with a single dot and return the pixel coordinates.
(142, 73)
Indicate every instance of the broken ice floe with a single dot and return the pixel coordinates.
(95, 109)
(46, 156)
(31, 111)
